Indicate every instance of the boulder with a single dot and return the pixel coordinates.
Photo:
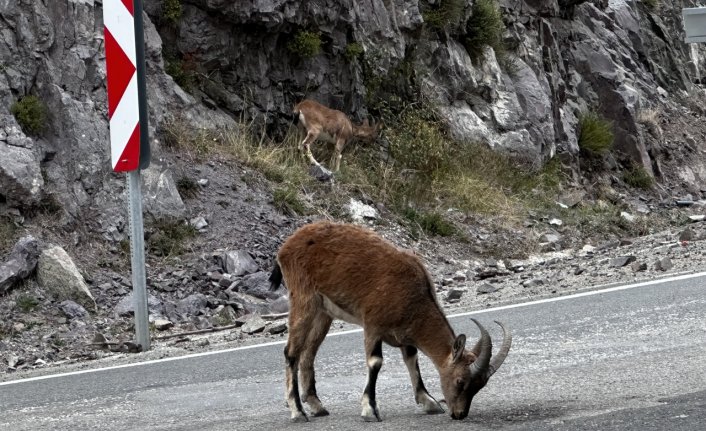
(238, 262)
(58, 275)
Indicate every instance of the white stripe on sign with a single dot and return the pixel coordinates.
(124, 120)
(121, 25)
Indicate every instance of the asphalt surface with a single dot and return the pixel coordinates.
(631, 359)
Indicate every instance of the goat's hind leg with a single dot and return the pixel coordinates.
(317, 334)
(373, 354)
(300, 323)
(421, 396)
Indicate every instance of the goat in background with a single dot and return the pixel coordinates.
(332, 126)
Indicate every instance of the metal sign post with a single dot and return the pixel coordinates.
(129, 139)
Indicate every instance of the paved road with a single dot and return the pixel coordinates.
(630, 359)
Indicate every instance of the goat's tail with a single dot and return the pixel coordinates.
(275, 277)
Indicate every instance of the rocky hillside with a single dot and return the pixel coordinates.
(215, 218)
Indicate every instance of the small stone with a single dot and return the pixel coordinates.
(18, 327)
(621, 261)
(447, 281)
(460, 276)
(697, 218)
(454, 295)
(486, 288)
(13, 361)
(203, 342)
(162, 324)
(277, 327)
(198, 223)
(556, 222)
(203, 182)
(638, 266)
(254, 325)
(627, 217)
(664, 264)
(579, 270)
(533, 282)
(73, 310)
(686, 235)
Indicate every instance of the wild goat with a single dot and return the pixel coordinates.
(332, 126)
(342, 271)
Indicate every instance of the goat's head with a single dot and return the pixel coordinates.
(367, 132)
(469, 371)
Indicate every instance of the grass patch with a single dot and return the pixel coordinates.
(172, 11)
(353, 51)
(305, 44)
(433, 223)
(187, 187)
(286, 199)
(31, 115)
(595, 133)
(638, 177)
(26, 303)
(180, 136)
(445, 15)
(182, 70)
(484, 28)
(170, 238)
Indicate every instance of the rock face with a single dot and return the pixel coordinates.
(20, 264)
(57, 273)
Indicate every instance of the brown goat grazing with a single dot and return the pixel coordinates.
(342, 271)
(332, 126)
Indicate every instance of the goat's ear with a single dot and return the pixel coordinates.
(459, 347)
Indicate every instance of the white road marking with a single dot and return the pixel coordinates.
(353, 331)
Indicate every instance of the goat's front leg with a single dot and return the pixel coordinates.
(421, 396)
(316, 335)
(336, 158)
(306, 146)
(373, 354)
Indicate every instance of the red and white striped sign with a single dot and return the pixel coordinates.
(123, 110)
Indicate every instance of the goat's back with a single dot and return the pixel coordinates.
(330, 120)
(357, 270)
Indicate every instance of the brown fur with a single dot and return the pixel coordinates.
(319, 120)
(386, 290)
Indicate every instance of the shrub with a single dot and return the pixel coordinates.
(169, 237)
(31, 114)
(306, 44)
(182, 71)
(353, 51)
(171, 10)
(638, 177)
(418, 143)
(445, 16)
(287, 200)
(595, 133)
(485, 27)
(26, 303)
(432, 223)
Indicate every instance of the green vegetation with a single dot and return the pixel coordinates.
(286, 199)
(26, 303)
(445, 15)
(484, 27)
(170, 238)
(8, 232)
(353, 51)
(305, 44)
(31, 114)
(432, 223)
(595, 133)
(171, 11)
(638, 177)
(182, 71)
(187, 187)
(418, 143)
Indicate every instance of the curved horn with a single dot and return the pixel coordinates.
(485, 345)
(499, 357)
